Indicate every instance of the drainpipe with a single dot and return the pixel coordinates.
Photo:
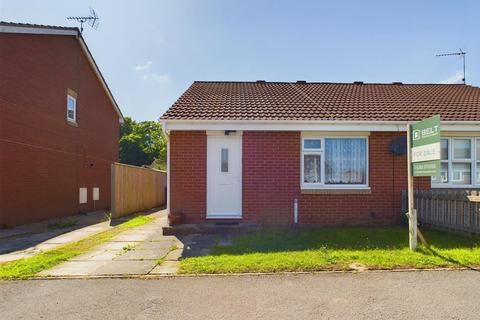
(295, 211)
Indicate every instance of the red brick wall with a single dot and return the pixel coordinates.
(188, 169)
(270, 175)
(271, 182)
(43, 159)
(387, 177)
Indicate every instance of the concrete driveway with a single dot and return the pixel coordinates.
(366, 295)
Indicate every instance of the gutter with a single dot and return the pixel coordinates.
(306, 125)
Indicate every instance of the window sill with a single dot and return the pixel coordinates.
(455, 186)
(72, 123)
(353, 190)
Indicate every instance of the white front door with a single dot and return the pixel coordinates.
(224, 176)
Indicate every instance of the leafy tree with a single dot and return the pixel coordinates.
(142, 143)
(127, 126)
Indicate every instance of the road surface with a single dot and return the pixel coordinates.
(366, 295)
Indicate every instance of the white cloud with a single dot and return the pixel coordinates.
(455, 78)
(144, 67)
(147, 74)
(161, 78)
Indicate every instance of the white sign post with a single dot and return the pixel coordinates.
(412, 214)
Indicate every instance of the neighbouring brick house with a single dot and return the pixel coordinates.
(253, 151)
(59, 125)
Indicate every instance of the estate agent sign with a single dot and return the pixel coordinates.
(423, 141)
(425, 137)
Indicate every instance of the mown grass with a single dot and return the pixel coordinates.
(29, 267)
(335, 249)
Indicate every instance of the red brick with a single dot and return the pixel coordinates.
(271, 182)
(43, 159)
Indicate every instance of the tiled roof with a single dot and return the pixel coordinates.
(325, 101)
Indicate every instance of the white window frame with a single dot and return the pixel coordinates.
(475, 171)
(74, 119)
(473, 164)
(321, 152)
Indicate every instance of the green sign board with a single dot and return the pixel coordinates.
(426, 168)
(425, 153)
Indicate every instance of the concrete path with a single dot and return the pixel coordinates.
(428, 295)
(29, 240)
(135, 252)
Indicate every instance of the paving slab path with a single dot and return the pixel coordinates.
(29, 240)
(134, 252)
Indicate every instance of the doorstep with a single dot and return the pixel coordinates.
(211, 228)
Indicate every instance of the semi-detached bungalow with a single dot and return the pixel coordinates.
(310, 153)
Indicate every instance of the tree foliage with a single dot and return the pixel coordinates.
(142, 143)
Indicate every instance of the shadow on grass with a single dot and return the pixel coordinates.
(30, 235)
(338, 238)
(444, 257)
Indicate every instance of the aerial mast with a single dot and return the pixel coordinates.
(92, 20)
(459, 53)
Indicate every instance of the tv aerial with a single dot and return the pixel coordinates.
(91, 20)
(459, 53)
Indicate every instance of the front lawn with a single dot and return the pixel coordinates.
(29, 267)
(343, 248)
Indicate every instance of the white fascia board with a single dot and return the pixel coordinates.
(254, 125)
(38, 30)
(300, 125)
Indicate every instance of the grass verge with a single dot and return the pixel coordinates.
(28, 267)
(335, 249)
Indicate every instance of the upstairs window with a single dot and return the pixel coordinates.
(71, 108)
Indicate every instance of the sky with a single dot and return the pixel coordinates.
(150, 52)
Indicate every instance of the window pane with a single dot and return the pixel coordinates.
(224, 162)
(312, 144)
(462, 149)
(478, 149)
(478, 172)
(311, 168)
(70, 103)
(345, 161)
(443, 177)
(461, 173)
(71, 107)
(444, 149)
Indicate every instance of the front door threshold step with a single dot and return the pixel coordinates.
(211, 228)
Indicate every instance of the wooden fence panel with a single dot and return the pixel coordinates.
(455, 210)
(135, 189)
